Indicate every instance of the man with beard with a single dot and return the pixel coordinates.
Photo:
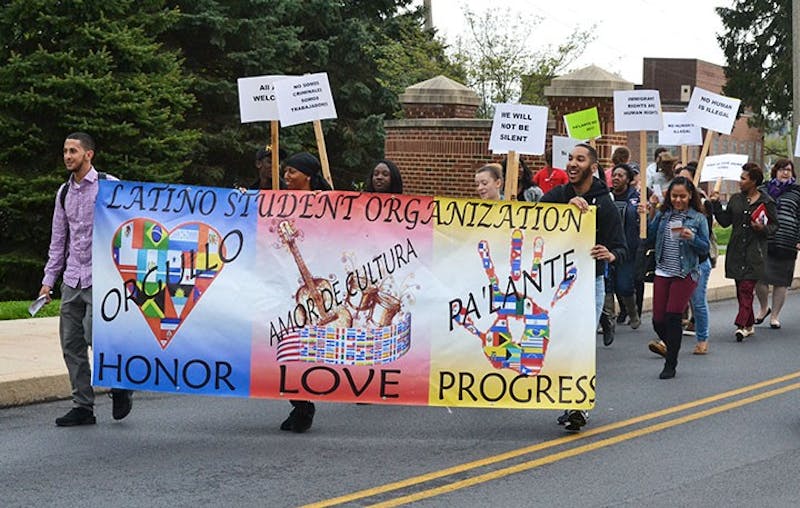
(582, 191)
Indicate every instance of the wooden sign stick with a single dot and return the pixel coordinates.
(276, 158)
(643, 182)
(512, 175)
(718, 184)
(703, 153)
(323, 154)
(684, 155)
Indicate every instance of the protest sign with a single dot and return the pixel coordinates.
(637, 110)
(304, 99)
(583, 124)
(343, 296)
(518, 127)
(562, 147)
(679, 131)
(257, 101)
(712, 111)
(727, 166)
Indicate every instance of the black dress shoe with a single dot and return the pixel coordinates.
(122, 402)
(760, 320)
(76, 416)
(667, 373)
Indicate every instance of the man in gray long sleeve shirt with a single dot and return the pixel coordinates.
(70, 255)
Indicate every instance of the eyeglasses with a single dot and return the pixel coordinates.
(785, 168)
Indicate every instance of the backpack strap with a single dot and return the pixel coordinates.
(62, 192)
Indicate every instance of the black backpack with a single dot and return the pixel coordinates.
(62, 192)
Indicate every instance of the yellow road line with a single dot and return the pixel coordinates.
(525, 466)
(382, 489)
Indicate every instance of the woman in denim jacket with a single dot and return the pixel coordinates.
(680, 231)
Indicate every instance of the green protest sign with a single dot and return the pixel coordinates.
(583, 124)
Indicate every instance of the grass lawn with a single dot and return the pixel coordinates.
(723, 236)
(19, 310)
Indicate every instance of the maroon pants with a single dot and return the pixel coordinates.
(672, 294)
(744, 293)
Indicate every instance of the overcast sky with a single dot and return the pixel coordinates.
(626, 30)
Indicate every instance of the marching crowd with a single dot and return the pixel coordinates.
(677, 256)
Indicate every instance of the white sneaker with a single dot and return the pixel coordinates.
(741, 333)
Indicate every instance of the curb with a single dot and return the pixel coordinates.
(33, 390)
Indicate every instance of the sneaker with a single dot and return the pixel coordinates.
(700, 348)
(77, 416)
(576, 419)
(122, 402)
(742, 333)
(658, 347)
(689, 329)
(562, 420)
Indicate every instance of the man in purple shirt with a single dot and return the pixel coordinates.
(70, 255)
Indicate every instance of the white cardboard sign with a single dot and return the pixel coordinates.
(637, 110)
(303, 99)
(712, 111)
(562, 147)
(257, 98)
(518, 127)
(678, 130)
(727, 165)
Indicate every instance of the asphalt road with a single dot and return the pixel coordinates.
(724, 432)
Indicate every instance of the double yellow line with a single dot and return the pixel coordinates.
(595, 445)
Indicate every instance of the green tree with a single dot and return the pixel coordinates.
(355, 41)
(757, 42)
(93, 66)
(502, 67)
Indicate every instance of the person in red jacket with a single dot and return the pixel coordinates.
(549, 177)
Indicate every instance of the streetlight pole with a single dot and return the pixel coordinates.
(795, 73)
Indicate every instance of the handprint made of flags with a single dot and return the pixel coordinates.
(524, 354)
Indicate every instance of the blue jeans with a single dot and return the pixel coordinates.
(699, 302)
(599, 297)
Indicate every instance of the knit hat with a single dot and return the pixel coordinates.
(305, 163)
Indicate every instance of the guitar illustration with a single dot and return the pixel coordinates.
(312, 288)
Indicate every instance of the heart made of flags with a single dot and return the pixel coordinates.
(167, 272)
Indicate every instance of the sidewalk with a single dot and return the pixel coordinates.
(32, 368)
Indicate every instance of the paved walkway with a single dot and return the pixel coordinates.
(32, 368)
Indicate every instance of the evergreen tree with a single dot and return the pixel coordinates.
(354, 41)
(91, 66)
(757, 43)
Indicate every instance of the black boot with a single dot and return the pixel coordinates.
(609, 328)
(673, 335)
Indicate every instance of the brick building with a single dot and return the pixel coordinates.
(675, 78)
(439, 144)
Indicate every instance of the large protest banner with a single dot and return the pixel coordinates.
(343, 296)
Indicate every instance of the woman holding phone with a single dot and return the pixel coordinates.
(680, 231)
